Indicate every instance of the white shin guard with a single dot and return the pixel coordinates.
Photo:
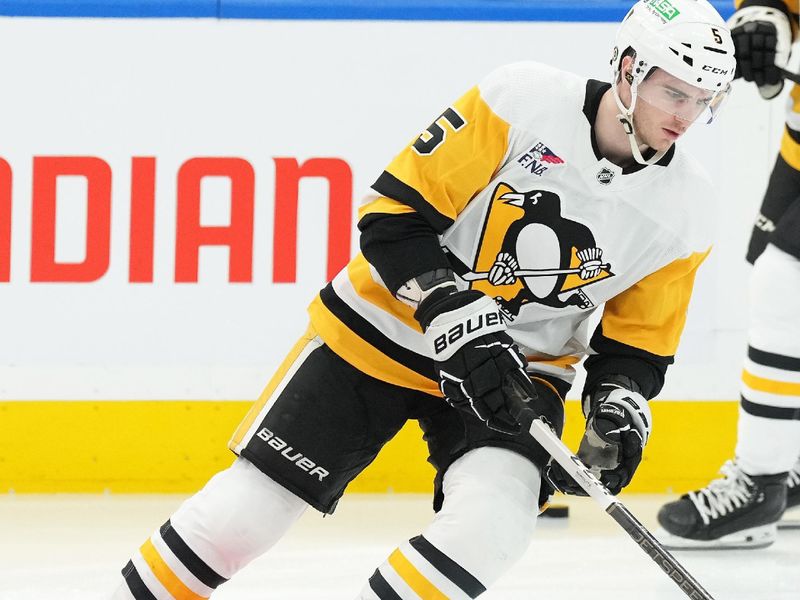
(491, 501)
(240, 514)
(235, 518)
(769, 417)
(485, 525)
(774, 288)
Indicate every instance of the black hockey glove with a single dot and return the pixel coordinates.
(480, 369)
(761, 37)
(617, 428)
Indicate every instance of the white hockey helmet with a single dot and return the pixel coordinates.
(686, 38)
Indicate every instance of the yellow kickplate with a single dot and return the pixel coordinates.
(175, 446)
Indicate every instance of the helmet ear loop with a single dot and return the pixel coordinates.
(627, 123)
(626, 113)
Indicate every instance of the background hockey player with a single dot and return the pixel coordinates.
(487, 244)
(741, 508)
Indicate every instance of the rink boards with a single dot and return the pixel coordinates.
(173, 446)
(174, 191)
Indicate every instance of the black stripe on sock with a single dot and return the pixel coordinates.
(448, 567)
(382, 588)
(770, 412)
(777, 361)
(190, 560)
(135, 583)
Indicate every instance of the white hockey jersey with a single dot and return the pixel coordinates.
(528, 213)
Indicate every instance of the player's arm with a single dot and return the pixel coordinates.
(633, 346)
(781, 195)
(422, 191)
(426, 186)
(763, 32)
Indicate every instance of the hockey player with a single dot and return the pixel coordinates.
(740, 510)
(488, 243)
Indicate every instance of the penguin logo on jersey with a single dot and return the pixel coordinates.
(530, 253)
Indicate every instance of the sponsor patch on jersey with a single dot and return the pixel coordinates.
(538, 159)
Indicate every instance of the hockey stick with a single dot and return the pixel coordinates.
(790, 76)
(543, 434)
(787, 524)
(530, 273)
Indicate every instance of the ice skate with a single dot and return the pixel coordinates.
(735, 511)
(791, 519)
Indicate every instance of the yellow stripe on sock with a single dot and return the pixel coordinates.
(165, 575)
(415, 580)
(770, 386)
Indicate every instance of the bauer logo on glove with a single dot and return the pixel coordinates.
(483, 322)
(479, 368)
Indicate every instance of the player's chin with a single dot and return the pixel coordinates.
(662, 143)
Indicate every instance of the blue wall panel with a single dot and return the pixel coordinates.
(436, 10)
(110, 8)
(421, 10)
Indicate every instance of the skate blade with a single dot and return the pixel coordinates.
(791, 519)
(748, 539)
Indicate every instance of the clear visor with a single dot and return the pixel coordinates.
(683, 100)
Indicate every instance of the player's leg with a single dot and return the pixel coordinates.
(487, 498)
(315, 427)
(741, 509)
(236, 517)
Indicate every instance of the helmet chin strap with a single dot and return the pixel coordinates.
(626, 120)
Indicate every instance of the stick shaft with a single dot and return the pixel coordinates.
(529, 273)
(660, 555)
(542, 433)
(791, 76)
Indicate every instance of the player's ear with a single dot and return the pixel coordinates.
(625, 70)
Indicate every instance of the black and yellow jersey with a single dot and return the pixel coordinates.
(778, 220)
(790, 144)
(511, 175)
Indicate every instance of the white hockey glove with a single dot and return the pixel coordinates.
(762, 37)
(480, 370)
(618, 426)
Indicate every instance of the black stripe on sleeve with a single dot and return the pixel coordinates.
(369, 333)
(615, 358)
(400, 247)
(382, 588)
(135, 583)
(390, 186)
(776, 361)
(190, 560)
(448, 567)
(770, 412)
